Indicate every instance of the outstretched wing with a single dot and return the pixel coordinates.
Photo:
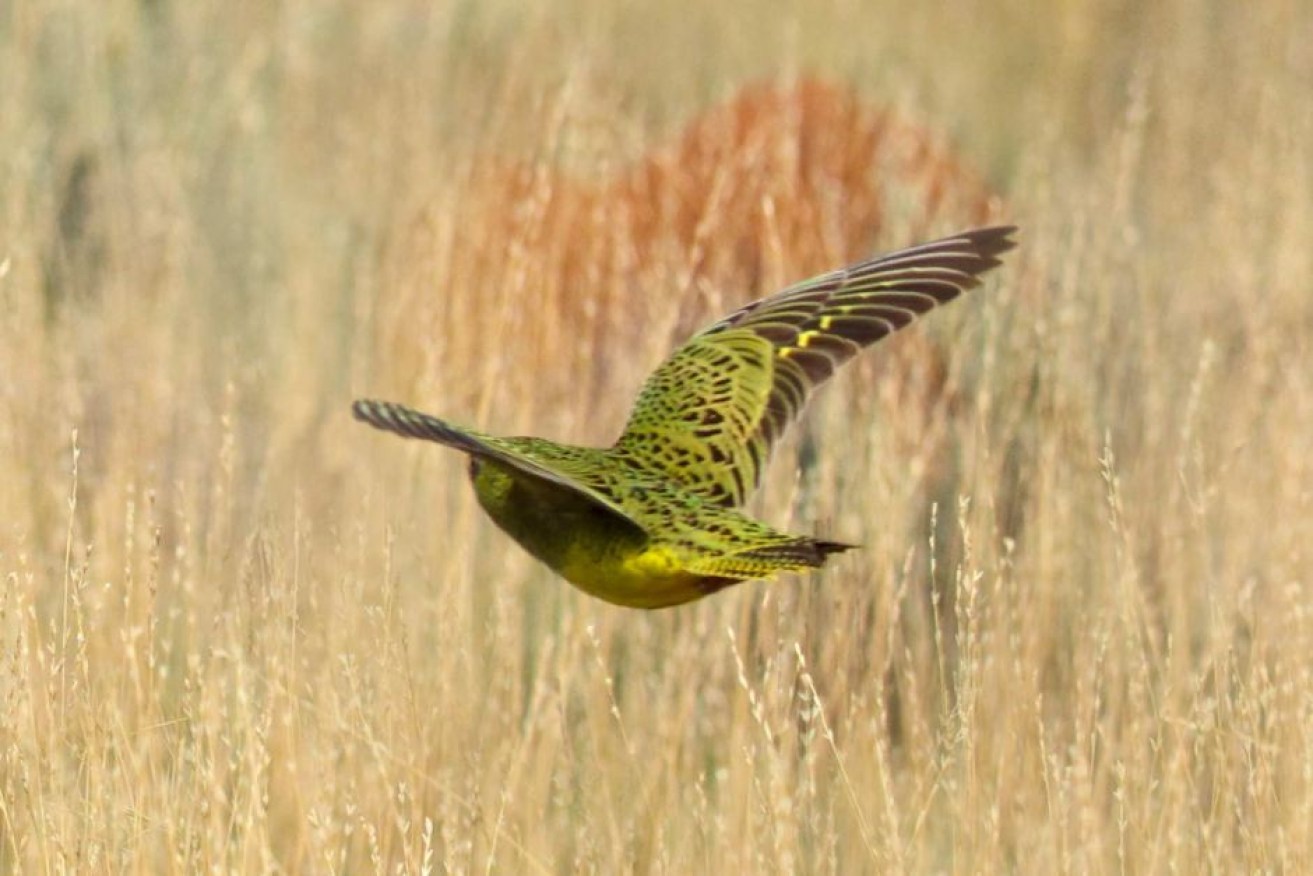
(709, 416)
(409, 423)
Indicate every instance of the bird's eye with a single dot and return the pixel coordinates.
(475, 465)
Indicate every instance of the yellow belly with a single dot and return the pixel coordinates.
(651, 577)
(599, 552)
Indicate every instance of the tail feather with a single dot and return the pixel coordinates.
(824, 549)
(766, 560)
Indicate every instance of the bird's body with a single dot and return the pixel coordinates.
(667, 545)
(651, 521)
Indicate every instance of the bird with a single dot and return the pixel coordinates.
(653, 521)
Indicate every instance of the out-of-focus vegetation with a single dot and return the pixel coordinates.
(239, 632)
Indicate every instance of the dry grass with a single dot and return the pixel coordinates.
(238, 633)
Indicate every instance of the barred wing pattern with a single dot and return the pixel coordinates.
(708, 418)
(567, 468)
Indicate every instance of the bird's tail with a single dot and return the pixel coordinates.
(824, 549)
(796, 555)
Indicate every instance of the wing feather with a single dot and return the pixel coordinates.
(709, 416)
(410, 423)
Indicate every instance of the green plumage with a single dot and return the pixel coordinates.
(651, 521)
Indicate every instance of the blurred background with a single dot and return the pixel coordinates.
(241, 632)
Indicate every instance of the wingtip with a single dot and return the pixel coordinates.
(993, 240)
(388, 416)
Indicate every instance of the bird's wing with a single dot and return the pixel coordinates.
(410, 423)
(708, 417)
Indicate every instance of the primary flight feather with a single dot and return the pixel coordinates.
(651, 521)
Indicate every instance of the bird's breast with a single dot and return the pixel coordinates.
(593, 548)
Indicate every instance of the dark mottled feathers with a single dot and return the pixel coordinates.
(710, 415)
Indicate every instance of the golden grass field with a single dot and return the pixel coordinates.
(241, 633)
